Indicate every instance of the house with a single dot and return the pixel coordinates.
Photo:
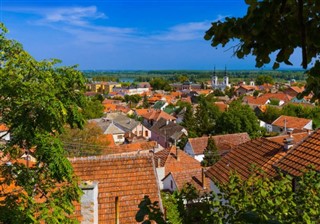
(160, 105)
(222, 106)
(283, 123)
(167, 133)
(114, 185)
(267, 98)
(293, 91)
(195, 146)
(121, 126)
(245, 90)
(153, 116)
(172, 160)
(299, 158)
(179, 179)
(259, 154)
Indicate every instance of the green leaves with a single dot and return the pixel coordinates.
(37, 99)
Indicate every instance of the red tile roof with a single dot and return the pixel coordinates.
(3, 127)
(223, 142)
(300, 157)
(129, 148)
(168, 159)
(129, 177)
(222, 106)
(260, 153)
(193, 177)
(291, 122)
(297, 137)
(157, 114)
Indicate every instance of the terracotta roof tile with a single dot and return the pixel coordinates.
(129, 177)
(3, 127)
(168, 159)
(223, 142)
(260, 153)
(297, 137)
(291, 122)
(303, 155)
(129, 148)
(222, 106)
(191, 176)
(157, 114)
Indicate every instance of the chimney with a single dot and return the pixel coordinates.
(288, 142)
(159, 162)
(203, 178)
(89, 202)
(177, 153)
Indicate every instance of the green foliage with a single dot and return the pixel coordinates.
(186, 206)
(206, 116)
(274, 27)
(274, 101)
(37, 99)
(239, 118)
(211, 154)
(270, 115)
(149, 211)
(145, 103)
(93, 109)
(159, 83)
(264, 79)
(189, 121)
(301, 111)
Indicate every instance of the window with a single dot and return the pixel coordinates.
(146, 133)
(119, 136)
(171, 184)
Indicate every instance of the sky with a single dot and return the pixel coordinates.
(124, 34)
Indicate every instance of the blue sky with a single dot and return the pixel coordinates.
(123, 34)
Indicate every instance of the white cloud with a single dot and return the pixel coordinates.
(78, 16)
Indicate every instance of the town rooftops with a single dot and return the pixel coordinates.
(223, 142)
(305, 154)
(122, 179)
(174, 160)
(157, 114)
(291, 122)
(260, 153)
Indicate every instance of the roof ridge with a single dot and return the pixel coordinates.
(113, 156)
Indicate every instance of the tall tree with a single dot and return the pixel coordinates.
(206, 116)
(37, 99)
(189, 121)
(277, 28)
(239, 118)
(211, 154)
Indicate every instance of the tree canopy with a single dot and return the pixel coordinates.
(37, 99)
(278, 28)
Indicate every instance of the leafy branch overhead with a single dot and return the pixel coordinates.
(37, 99)
(271, 26)
(277, 27)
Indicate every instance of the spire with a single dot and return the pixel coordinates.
(225, 70)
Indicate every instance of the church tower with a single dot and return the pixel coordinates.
(225, 78)
(214, 79)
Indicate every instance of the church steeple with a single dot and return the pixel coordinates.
(214, 79)
(225, 78)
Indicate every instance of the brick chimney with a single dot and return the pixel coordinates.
(203, 178)
(177, 153)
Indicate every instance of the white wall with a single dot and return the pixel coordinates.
(167, 183)
(188, 149)
(308, 126)
(160, 173)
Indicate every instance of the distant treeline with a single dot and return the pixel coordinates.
(173, 75)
